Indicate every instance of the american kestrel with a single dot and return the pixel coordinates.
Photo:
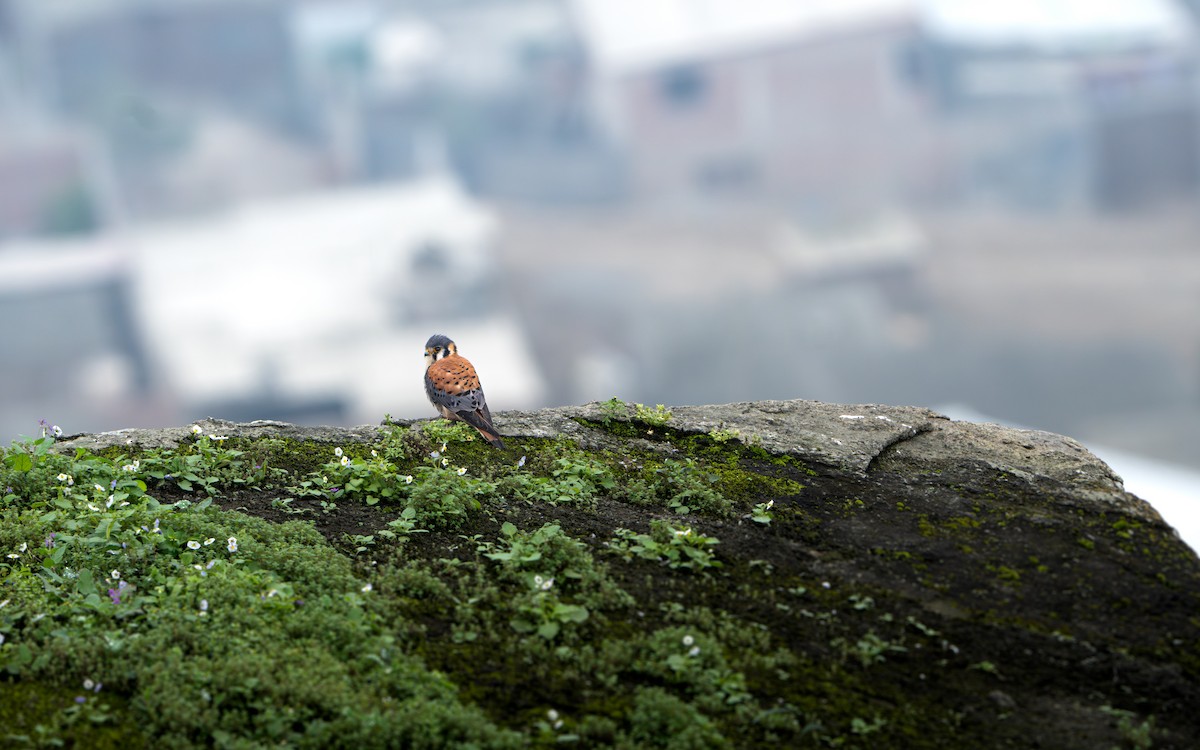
(453, 387)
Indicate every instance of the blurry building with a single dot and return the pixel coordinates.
(74, 349)
(804, 100)
(111, 63)
(496, 90)
(1050, 106)
(316, 308)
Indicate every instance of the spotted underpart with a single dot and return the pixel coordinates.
(453, 388)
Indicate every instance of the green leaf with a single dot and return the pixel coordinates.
(19, 461)
(84, 584)
(548, 630)
(508, 529)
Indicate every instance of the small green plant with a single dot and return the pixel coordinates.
(576, 479)
(371, 479)
(403, 525)
(444, 495)
(722, 435)
(656, 417)
(688, 488)
(613, 410)
(1140, 736)
(444, 432)
(869, 650)
(675, 546)
(762, 513)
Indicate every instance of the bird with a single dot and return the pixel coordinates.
(453, 388)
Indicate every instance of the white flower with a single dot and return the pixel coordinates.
(99, 487)
(337, 452)
(408, 478)
(1, 639)
(209, 541)
(24, 546)
(193, 544)
(233, 544)
(445, 462)
(109, 503)
(367, 588)
(62, 477)
(57, 431)
(462, 470)
(93, 508)
(197, 429)
(547, 584)
(345, 461)
(88, 684)
(218, 438)
(374, 454)
(70, 479)
(521, 462)
(552, 715)
(115, 575)
(4, 603)
(13, 555)
(695, 651)
(688, 640)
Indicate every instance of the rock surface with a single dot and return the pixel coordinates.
(1045, 605)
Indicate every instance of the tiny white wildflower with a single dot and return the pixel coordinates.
(345, 461)
(4, 603)
(272, 592)
(695, 651)
(688, 640)
(210, 564)
(115, 575)
(62, 477)
(88, 684)
(462, 470)
(209, 541)
(24, 546)
(13, 555)
(374, 454)
(443, 446)
(521, 462)
(337, 452)
(367, 588)
(445, 462)
(193, 544)
(198, 566)
(92, 507)
(824, 584)
(547, 584)
(233, 544)
(1, 639)
(552, 715)
(408, 478)
(98, 487)
(57, 431)
(197, 429)
(70, 479)
(109, 502)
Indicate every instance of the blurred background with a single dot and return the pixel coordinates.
(262, 208)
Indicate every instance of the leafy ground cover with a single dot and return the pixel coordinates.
(684, 591)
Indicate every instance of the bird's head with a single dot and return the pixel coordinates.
(438, 347)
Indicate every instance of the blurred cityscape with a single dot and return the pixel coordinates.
(262, 208)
